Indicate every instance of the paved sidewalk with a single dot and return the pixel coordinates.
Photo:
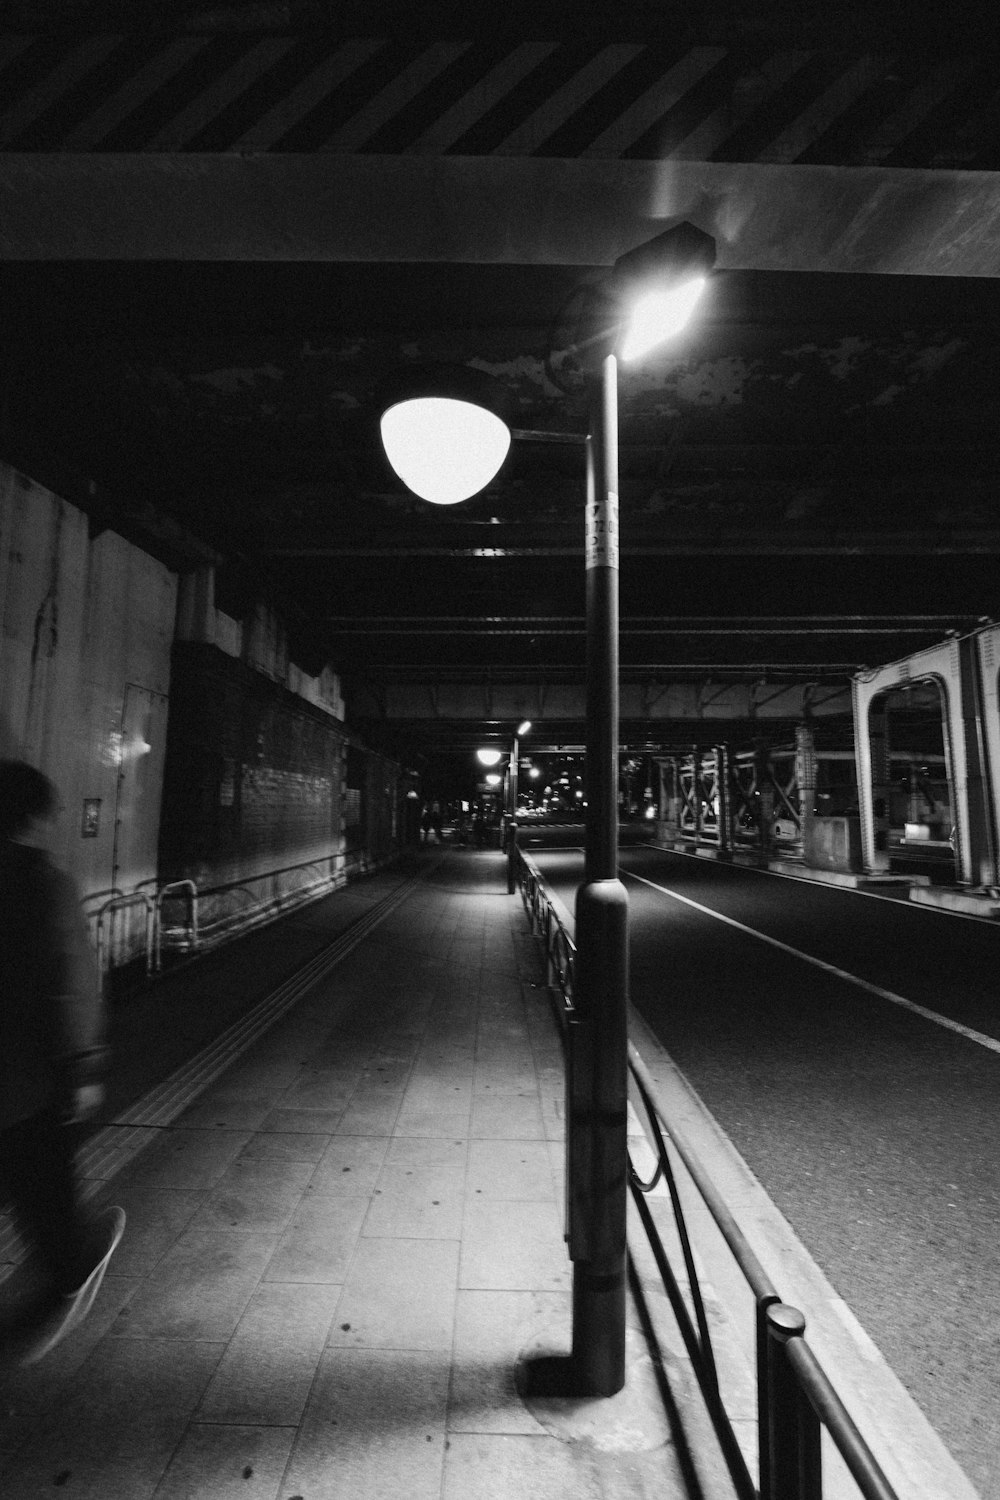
(336, 1257)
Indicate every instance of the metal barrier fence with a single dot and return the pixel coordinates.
(104, 919)
(796, 1400)
(197, 934)
(169, 892)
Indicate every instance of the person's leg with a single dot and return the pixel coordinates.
(41, 1179)
(71, 1247)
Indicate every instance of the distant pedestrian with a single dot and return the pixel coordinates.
(436, 820)
(52, 1057)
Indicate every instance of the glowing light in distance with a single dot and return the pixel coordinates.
(492, 779)
(524, 726)
(534, 773)
(488, 757)
(442, 449)
(659, 315)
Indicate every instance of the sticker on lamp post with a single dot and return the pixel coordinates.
(602, 531)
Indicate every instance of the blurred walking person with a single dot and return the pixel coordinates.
(52, 1058)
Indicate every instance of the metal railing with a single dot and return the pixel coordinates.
(104, 918)
(170, 892)
(544, 922)
(796, 1400)
(257, 910)
(197, 933)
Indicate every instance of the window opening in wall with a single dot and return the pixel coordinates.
(913, 799)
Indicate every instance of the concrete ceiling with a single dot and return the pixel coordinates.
(197, 340)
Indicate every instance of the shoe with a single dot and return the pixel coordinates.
(108, 1229)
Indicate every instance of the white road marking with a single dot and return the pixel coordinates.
(979, 1037)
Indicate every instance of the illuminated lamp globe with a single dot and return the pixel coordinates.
(488, 757)
(493, 779)
(444, 449)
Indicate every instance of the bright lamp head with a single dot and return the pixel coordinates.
(658, 284)
(488, 757)
(442, 449)
(444, 430)
(658, 315)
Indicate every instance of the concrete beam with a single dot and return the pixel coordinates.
(561, 702)
(492, 210)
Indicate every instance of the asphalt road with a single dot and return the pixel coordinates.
(872, 1124)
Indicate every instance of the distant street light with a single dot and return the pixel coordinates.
(653, 289)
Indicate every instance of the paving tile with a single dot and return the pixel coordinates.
(440, 1083)
(374, 1427)
(321, 1089)
(492, 1330)
(507, 1117)
(228, 1463)
(302, 1121)
(371, 1112)
(128, 1400)
(513, 1246)
(266, 1372)
(388, 1070)
(443, 1052)
(436, 1112)
(96, 1476)
(349, 1167)
(186, 1158)
(510, 1169)
(256, 1194)
(260, 1074)
(319, 1241)
(417, 1203)
(219, 1111)
(155, 1218)
(286, 1145)
(399, 1294)
(427, 1152)
(498, 1078)
(201, 1287)
(486, 1467)
(29, 1394)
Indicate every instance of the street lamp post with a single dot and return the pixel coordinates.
(522, 730)
(597, 1153)
(667, 274)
